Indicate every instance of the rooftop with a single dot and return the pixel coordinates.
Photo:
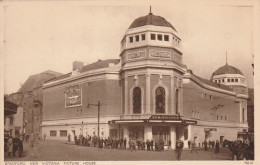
(151, 19)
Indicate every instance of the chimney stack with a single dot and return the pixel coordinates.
(77, 65)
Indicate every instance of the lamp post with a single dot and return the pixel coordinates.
(98, 105)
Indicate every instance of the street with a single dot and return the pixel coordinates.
(60, 151)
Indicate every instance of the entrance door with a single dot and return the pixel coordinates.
(161, 133)
(136, 132)
(113, 133)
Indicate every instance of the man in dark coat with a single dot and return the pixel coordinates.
(20, 148)
(217, 147)
(151, 145)
(15, 145)
(148, 144)
(179, 147)
(205, 145)
(189, 143)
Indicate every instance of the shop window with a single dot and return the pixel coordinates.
(219, 81)
(166, 37)
(131, 39)
(232, 80)
(236, 80)
(152, 36)
(160, 100)
(228, 80)
(216, 81)
(159, 37)
(137, 100)
(53, 133)
(143, 36)
(223, 80)
(63, 133)
(137, 38)
(186, 134)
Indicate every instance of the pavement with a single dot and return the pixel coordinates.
(62, 151)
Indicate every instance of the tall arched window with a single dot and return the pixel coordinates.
(243, 115)
(160, 100)
(137, 100)
(177, 101)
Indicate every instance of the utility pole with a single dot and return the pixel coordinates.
(98, 105)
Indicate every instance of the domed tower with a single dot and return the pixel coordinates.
(231, 76)
(151, 40)
(152, 68)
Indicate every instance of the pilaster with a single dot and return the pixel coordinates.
(148, 94)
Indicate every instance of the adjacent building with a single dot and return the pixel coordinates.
(29, 99)
(10, 110)
(148, 93)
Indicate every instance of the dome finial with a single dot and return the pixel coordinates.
(150, 10)
(226, 57)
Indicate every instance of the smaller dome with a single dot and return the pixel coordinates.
(227, 69)
(151, 19)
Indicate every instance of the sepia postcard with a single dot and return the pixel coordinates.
(123, 82)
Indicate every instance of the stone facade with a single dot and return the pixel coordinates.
(149, 94)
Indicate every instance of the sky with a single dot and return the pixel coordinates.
(42, 36)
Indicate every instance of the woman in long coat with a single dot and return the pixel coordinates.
(10, 146)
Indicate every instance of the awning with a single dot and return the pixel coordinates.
(178, 121)
(10, 108)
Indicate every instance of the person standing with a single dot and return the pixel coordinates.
(44, 136)
(217, 147)
(170, 144)
(151, 146)
(148, 144)
(189, 143)
(10, 146)
(205, 145)
(31, 140)
(125, 143)
(20, 148)
(179, 147)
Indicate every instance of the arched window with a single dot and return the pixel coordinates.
(160, 100)
(137, 100)
(243, 115)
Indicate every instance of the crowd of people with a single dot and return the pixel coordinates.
(120, 143)
(12, 145)
(240, 149)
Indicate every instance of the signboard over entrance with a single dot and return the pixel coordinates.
(165, 117)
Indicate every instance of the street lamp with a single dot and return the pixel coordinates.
(98, 105)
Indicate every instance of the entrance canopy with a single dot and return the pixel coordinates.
(156, 119)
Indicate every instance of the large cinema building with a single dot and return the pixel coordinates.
(147, 93)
